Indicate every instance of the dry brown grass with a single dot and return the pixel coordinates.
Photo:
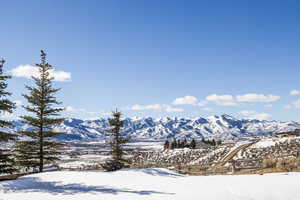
(11, 177)
(269, 163)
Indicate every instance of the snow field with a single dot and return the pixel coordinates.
(149, 184)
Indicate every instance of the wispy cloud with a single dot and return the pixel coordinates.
(202, 103)
(189, 100)
(295, 92)
(295, 104)
(222, 100)
(251, 114)
(27, 71)
(172, 109)
(231, 100)
(72, 109)
(208, 109)
(186, 100)
(156, 107)
(146, 107)
(253, 97)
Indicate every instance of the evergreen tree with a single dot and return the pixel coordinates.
(203, 141)
(166, 144)
(117, 142)
(174, 144)
(213, 143)
(184, 143)
(7, 164)
(41, 149)
(179, 144)
(193, 144)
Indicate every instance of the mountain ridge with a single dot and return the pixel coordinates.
(224, 127)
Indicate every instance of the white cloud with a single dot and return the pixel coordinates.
(261, 116)
(202, 103)
(251, 114)
(27, 71)
(222, 100)
(294, 92)
(230, 100)
(253, 97)
(146, 107)
(79, 110)
(73, 109)
(161, 107)
(207, 109)
(187, 100)
(247, 112)
(172, 109)
(295, 104)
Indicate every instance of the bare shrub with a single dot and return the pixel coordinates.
(269, 163)
(288, 164)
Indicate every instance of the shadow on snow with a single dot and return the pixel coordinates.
(33, 184)
(156, 172)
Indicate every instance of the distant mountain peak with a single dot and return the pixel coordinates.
(220, 127)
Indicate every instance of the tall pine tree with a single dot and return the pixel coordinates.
(7, 164)
(117, 141)
(41, 149)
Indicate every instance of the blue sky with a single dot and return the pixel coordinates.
(159, 58)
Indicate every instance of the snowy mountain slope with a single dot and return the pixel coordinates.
(218, 127)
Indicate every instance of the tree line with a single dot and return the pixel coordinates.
(212, 142)
(179, 144)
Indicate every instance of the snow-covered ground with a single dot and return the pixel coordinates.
(267, 142)
(89, 155)
(149, 184)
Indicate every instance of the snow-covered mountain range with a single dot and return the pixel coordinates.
(218, 127)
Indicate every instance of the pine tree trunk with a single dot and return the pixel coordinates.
(41, 151)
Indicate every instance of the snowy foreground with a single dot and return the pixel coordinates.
(154, 184)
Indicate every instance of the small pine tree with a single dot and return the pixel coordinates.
(193, 144)
(179, 144)
(7, 163)
(203, 141)
(185, 143)
(40, 149)
(213, 142)
(117, 142)
(174, 144)
(166, 144)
